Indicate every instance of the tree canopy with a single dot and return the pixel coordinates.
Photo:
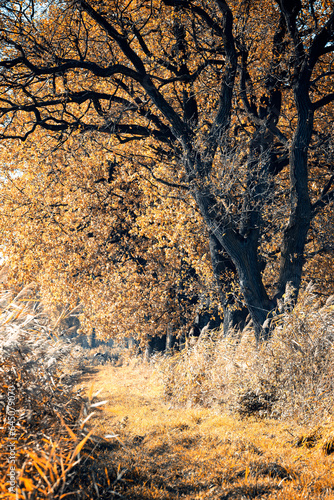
(155, 151)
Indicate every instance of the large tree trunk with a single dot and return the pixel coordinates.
(241, 245)
(234, 313)
(244, 256)
(294, 239)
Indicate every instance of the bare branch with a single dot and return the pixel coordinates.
(323, 101)
(325, 198)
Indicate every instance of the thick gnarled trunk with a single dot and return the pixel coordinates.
(235, 313)
(295, 235)
(243, 253)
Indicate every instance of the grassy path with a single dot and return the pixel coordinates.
(166, 453)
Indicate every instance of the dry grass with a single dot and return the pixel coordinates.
(163, 452)
(46, 451)
(291, 376)
(222, 420)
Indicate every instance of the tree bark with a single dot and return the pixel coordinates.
(234, 313)
(93, 339)
(294, 239)
(243, 252)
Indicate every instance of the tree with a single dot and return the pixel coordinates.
(228, 100)
(86, 229)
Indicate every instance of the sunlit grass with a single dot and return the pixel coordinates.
(193, 453)
(289, 377)
(183, 426)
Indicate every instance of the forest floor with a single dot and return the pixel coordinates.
(161, 452)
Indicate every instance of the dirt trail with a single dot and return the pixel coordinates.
(169, 453)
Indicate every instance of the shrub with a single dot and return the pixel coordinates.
(291, 375)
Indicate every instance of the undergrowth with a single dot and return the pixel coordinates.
(46, 450)
(290, 376)
(171, 453)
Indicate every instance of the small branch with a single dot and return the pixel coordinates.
(162, 181)
(323, 101)
(326, 197)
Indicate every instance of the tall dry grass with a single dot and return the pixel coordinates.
(46, 451)
(290, 376)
